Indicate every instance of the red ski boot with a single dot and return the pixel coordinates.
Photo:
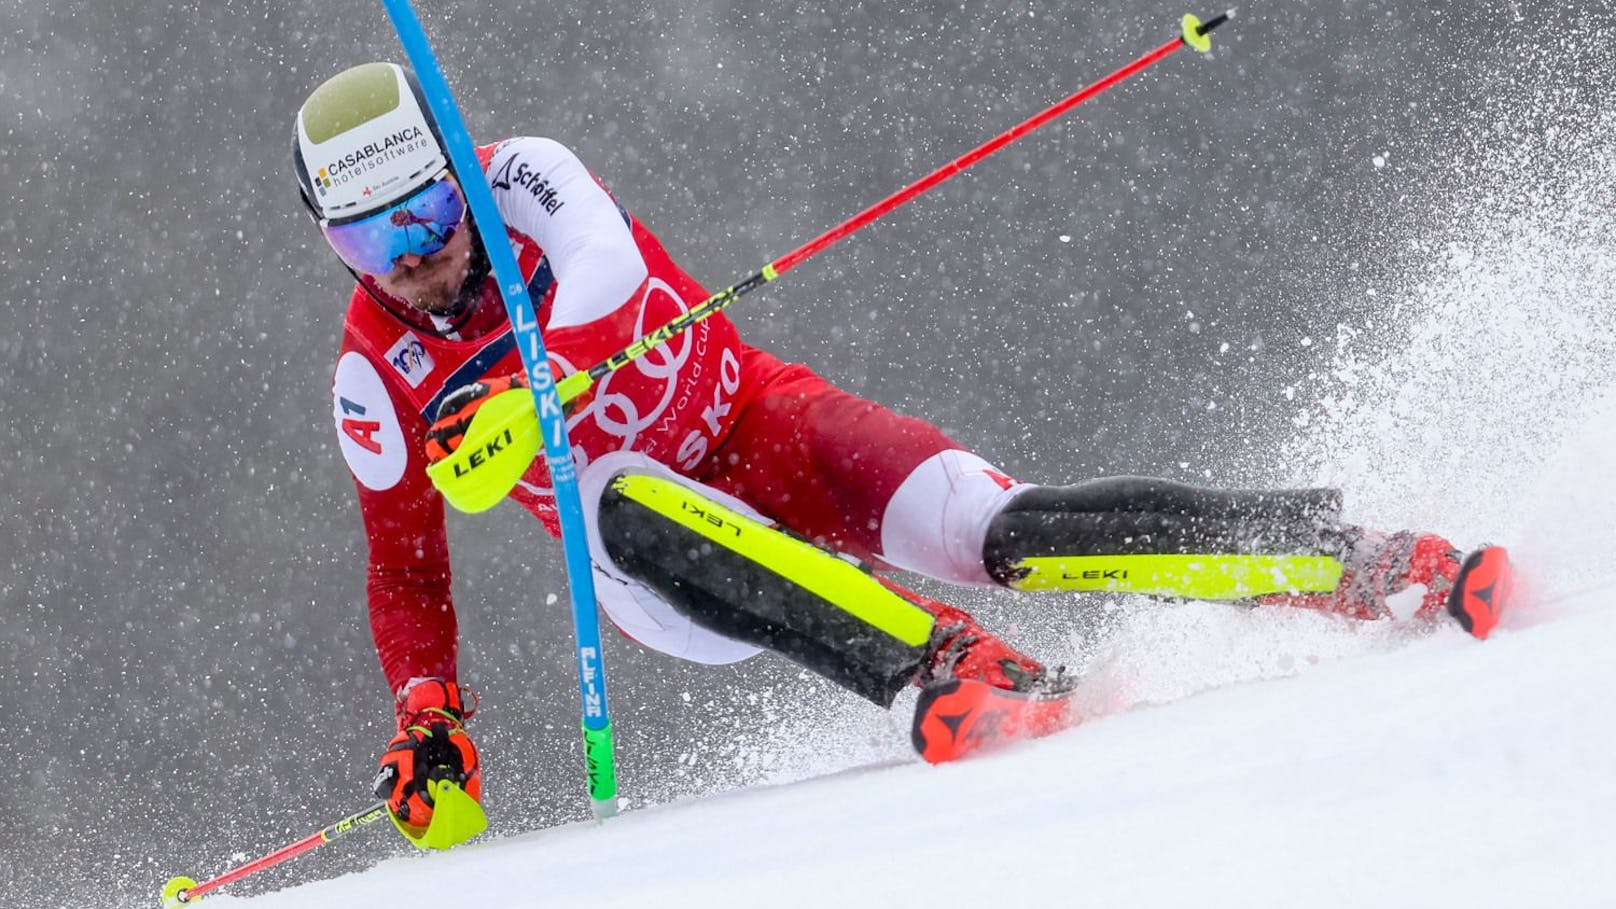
(1483, 590)
(1404, 575)
(977, 691)
(962, 649)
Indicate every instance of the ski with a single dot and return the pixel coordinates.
(1482, 590)
(957, 717)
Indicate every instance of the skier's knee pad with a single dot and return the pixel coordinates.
(1143, 535)
(935, 521)
(743, 579)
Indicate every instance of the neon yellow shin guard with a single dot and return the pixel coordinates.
(1155, 537)
(744, 579)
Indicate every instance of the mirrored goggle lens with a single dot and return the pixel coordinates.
(417, 225)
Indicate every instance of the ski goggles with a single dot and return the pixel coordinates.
(419, 224)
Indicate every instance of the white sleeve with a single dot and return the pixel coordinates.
(544, 191)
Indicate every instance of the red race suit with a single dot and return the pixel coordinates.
(817, 460)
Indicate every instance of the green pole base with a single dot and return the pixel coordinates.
(602, 769)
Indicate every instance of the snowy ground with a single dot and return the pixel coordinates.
(1445, 773)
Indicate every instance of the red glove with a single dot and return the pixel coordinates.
(456, 411)
(431, 744)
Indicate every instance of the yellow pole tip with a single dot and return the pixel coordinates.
(1193, 35)
(172, 898)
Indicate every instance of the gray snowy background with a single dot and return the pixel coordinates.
(1152, 285)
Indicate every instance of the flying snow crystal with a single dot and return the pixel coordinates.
(1505, 309)
(1379, 161)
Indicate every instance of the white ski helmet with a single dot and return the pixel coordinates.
(364, 139)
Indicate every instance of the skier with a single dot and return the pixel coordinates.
(726, 492)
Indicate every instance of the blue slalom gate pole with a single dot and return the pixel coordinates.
(597, 723)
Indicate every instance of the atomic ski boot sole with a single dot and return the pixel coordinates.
(1482, 590)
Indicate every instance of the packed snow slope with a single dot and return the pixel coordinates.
(1445, 773)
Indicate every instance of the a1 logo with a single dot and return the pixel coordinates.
(368, 432)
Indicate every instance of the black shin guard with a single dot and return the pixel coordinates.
(1102, 534)
(748, 581)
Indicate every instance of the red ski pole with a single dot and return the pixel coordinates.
(182, 890)
(1194, 34)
